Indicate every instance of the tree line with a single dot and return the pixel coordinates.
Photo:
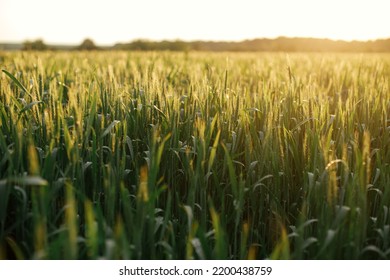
(279, 44)
(40, 45)
(283, 44)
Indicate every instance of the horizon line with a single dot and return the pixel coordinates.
(194, 40)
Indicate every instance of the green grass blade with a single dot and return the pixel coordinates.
(16, 81)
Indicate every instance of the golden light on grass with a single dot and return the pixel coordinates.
(143, 192)
(274, 156)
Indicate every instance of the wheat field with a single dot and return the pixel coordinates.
(170, 155)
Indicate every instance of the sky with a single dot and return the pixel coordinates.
(111, 21)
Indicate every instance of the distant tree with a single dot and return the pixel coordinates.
(141, 45)
(87, 45)
(37, 45)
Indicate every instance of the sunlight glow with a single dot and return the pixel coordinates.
(109, 22)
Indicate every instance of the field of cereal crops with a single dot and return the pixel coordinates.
(159, 155)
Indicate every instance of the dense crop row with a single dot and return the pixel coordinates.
(194, 155)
